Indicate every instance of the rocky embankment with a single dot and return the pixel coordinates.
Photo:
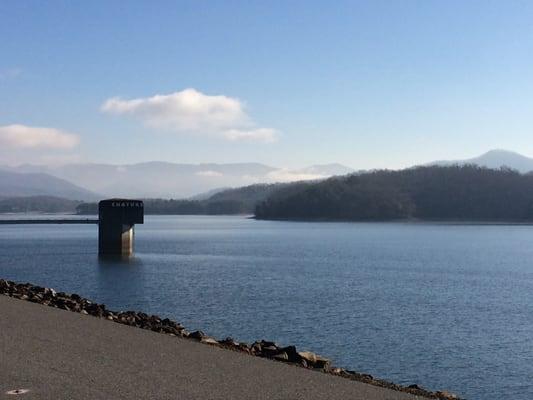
(263, 348)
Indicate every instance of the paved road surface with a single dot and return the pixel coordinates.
(63, 355)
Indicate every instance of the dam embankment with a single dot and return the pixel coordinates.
(53, 354)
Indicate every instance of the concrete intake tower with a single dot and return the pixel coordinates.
(116, 219)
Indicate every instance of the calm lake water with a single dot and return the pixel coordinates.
(443, 306)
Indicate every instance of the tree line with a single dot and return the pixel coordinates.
(225, 202)
(44, 204)
(179, 207)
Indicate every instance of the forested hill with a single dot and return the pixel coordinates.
(429, 193)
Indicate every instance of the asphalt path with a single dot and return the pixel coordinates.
(57, 354)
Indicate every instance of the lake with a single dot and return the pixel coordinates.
(444, 306)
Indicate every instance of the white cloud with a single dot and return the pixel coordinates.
(266, 135)
(282, 175)
(286, 175)
(210, 174)
(191, 111)
(22, 136)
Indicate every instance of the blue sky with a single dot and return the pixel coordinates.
(367, 84)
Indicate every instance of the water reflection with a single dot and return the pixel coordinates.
(118, 259)
(121, 276)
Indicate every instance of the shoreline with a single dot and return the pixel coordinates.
(406, 221)
(261, 348)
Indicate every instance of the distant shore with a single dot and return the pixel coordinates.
(262, 348)
(413, 221)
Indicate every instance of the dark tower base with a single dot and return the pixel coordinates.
(117, 218)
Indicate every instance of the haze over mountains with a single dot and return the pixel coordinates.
(170, 180)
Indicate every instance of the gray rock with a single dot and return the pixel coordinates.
(281, 357)
(196, 335)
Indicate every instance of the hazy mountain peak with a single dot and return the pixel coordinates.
(15, 184)
(497, 158)
(500, 154)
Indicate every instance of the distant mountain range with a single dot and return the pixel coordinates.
(169, 180)
(89, 182)
(495, 159)
(14, 184)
